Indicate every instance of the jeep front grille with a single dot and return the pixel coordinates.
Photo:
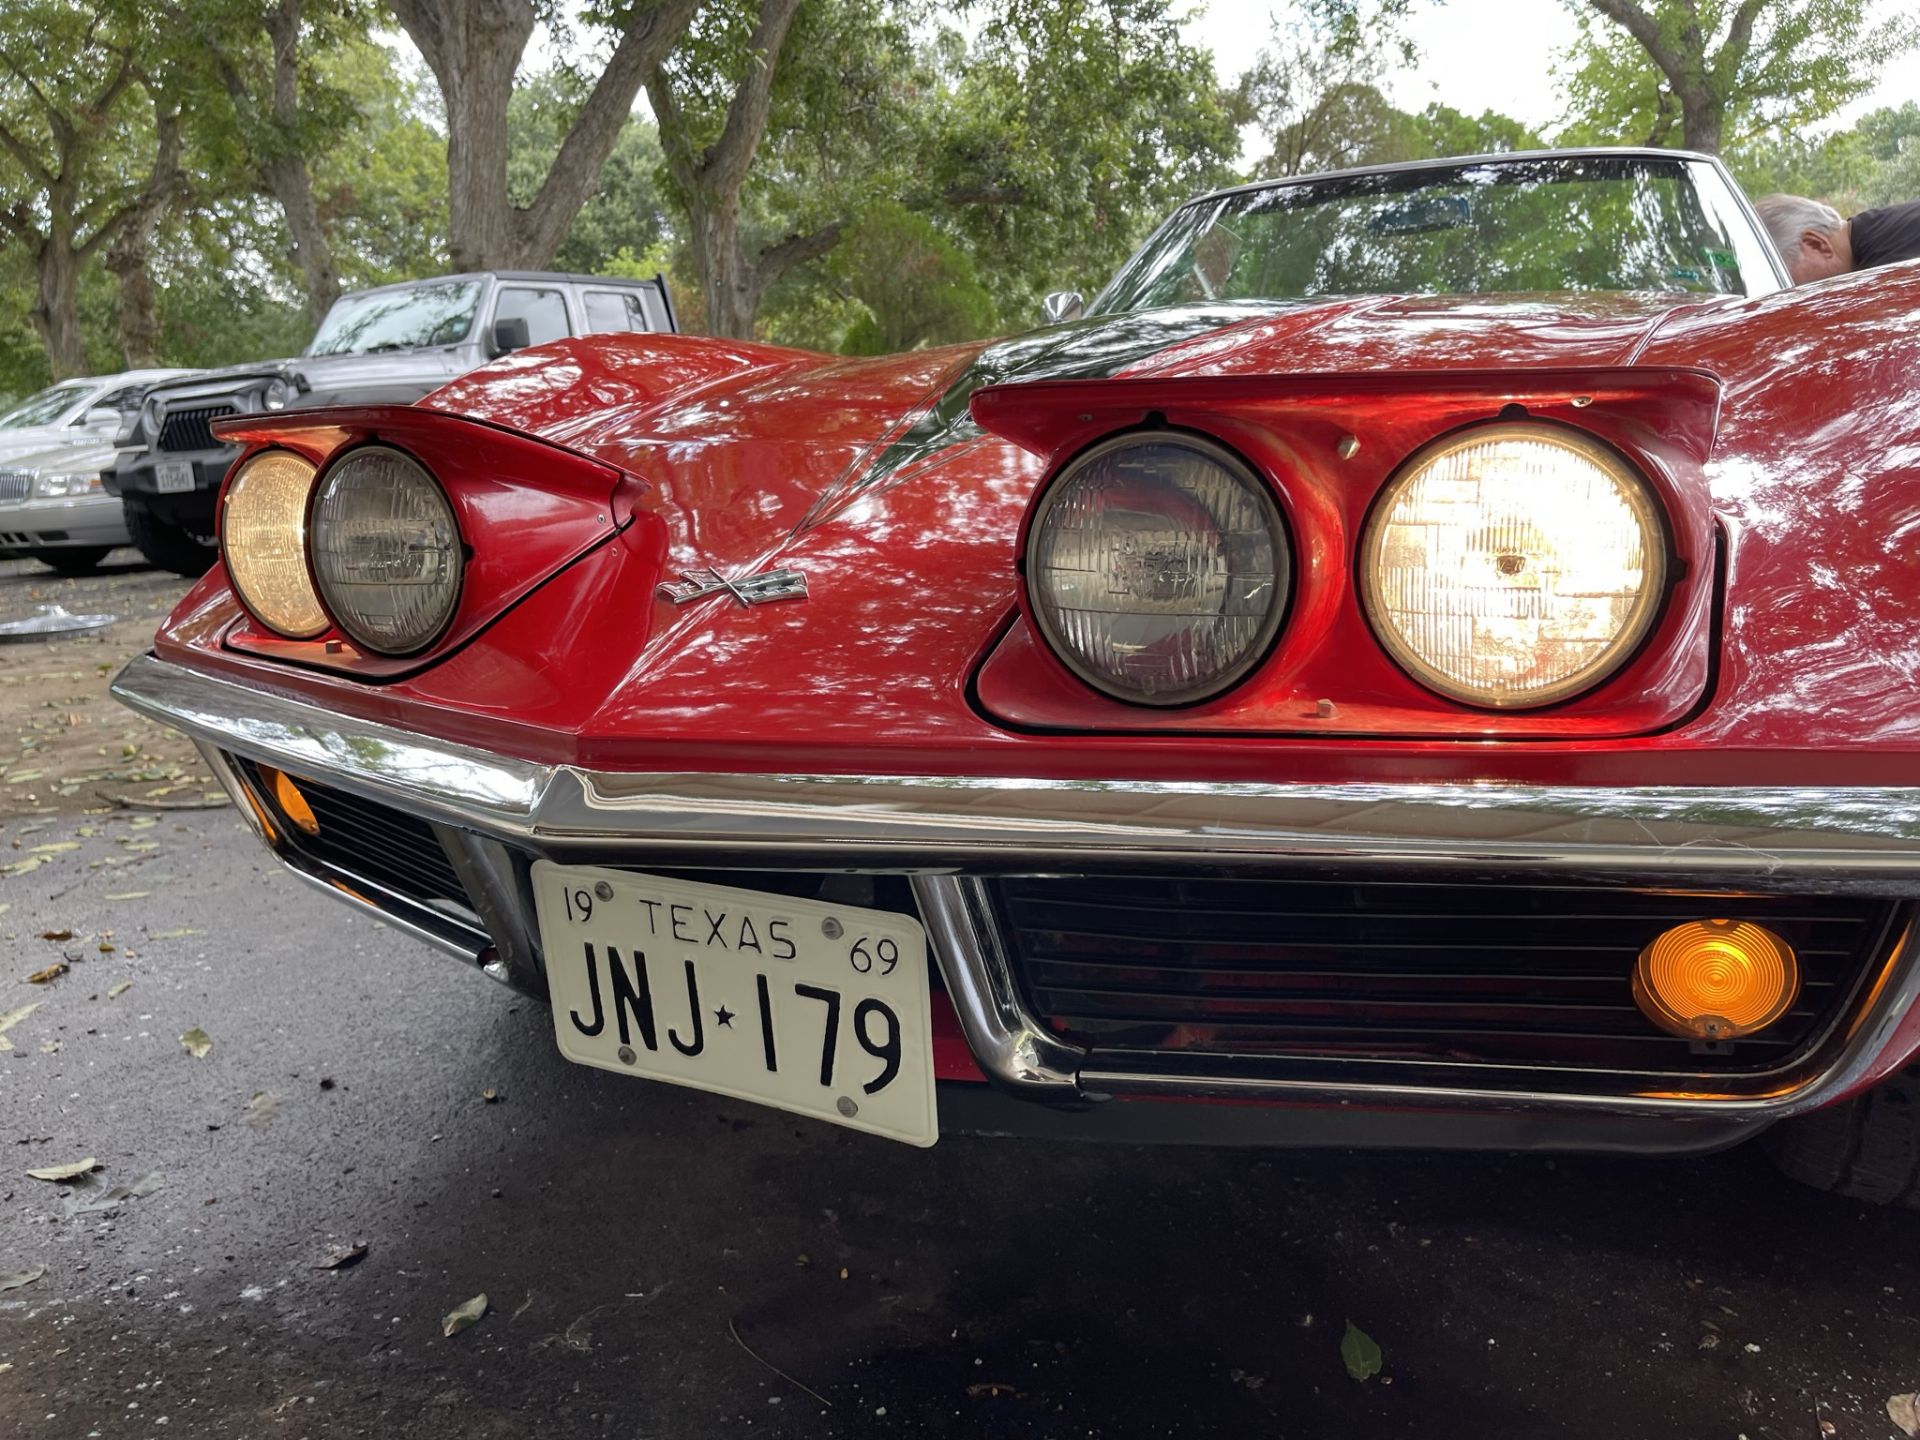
(192, 429)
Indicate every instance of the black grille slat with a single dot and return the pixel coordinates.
(1539, 975)
(378, 843)
(192, 429)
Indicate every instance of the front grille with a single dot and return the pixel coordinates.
(192, 429)
(373, 841)
(15, 484)
(1470, 973)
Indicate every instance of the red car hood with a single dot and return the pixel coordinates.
(746, 444)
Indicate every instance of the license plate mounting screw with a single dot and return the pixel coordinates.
(602, 890)
(627, 1057)
(846, 1107)
(830, 928)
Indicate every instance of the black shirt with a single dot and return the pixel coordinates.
(1883, 236)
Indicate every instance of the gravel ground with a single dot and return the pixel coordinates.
(663, 1264)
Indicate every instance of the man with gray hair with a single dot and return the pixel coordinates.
(1816, 243)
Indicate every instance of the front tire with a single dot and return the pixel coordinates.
(165, 544)
(1866, 1148)
(72, 560)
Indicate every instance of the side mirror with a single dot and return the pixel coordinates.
(1063, 305)
(102, 420)
(510, 335)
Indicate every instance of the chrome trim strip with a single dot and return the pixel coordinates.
(504, 904)
(1829, 839)
(1009, 1044)
(1808, 839)
(380, 910)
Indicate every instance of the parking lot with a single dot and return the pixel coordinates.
(658, 1263)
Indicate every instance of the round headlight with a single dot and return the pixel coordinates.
(386, 551)
(1513, 565)
(263, 540)
(1158, 568)
(277, 395)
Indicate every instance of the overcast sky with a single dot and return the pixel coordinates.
(1476, 54)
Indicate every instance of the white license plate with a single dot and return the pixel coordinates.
(810, 1007)
(172, 477)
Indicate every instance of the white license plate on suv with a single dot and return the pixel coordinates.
(173, 477)
(806, 1006)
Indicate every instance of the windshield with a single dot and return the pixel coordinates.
(1562, 223)
(44, 408)
(440, 313)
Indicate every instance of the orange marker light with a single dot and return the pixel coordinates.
(292, 803)
(1716, 979)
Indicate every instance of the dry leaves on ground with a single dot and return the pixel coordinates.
(462, 1316)
(60, 1174)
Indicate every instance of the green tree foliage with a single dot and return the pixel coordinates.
(382, 190)
(263, 103)
(1074, 126)
(1706, 74)
(93, 149)
(1876, 162)
(915, 286)
(1314, 94)
(627, 213)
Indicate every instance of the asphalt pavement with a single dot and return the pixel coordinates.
(657, 1263)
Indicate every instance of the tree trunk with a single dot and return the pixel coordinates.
(473, 47)
(292, 185)
(139, 319)
(286, 171)
(56, 311)
(710, 180)
(1702, 121)
(726, 285)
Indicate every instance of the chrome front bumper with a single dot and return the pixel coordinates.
(945, 832)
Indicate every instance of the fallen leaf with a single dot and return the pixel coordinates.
(131, 895)
(56, 934)
(262, 1108)
(62, 1173)
(198, 1042)
(19, 1279)
(990, 1390)
(1359, 1353)
(21, 867)
(342, 1259)
(13, 1018)
(1904, 1411)
(118, 988)
(489, 1096)
(460, 1317)
(47, 976)
(57, 847)
(79, 1204)
(180, 934)
(49, 1047)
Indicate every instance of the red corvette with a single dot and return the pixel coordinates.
(1426, 657)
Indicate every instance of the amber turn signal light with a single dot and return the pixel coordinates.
(1716, 980)
(292, 803)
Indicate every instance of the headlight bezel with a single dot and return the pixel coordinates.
(1280, 535)
(326, 475)
(1645, 501)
